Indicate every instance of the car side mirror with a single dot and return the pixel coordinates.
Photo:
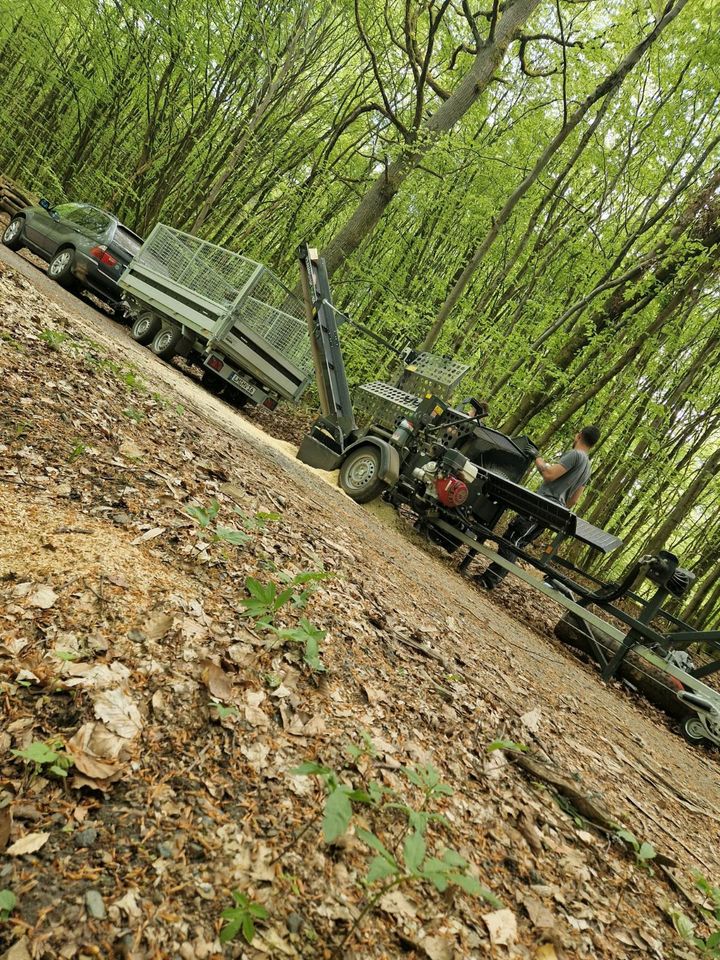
(45, 204)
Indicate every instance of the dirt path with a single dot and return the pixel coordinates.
(416, 655)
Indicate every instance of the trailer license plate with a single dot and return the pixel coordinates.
(242, 384)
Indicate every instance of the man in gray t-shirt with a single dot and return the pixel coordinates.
(564, 482)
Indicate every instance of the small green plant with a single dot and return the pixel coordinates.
(132, 414)
(53, 338)
(309, 580)
(708, 946)
(256, 522)
(7, 903)
(309, 638)
(133, 381)
(339, 797)
(66, 655)
(506, 745)
(241, 918)
(366, 748)
(48, 757)
(221, 711)
(202, 516)
(79, 450)
(265, 600)
(711, 906)
(644, 852)
(179, 409)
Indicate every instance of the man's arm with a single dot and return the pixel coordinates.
(574, 498)
(549, 471)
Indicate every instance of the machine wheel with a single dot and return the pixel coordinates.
(12, 238)
(60, 268)
(165, 343)
(360, 474)
(146, 328)
(693, 730)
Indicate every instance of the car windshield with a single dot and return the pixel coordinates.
(127, 240)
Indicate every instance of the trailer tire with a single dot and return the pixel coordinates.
(145, 328)
(165, 343)
(360, 474)
(236, 397)
(214, 383)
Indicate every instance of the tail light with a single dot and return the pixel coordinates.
(100, 253)
(270, 403)
(451, 492)
(215, 363)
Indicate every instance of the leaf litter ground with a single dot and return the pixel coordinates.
(123, 646)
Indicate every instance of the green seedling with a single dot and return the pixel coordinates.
(708, 946)
(506, 745)
(337, 809)
(309, 580)
(132, 414)
(79, 450)
(644, 852)
(264, 601)
(202, 516)
(711, 894)
(241, 918)
(257, 522)
(7, 904)
(53, 338)
(67, 655)
(48, 757)
(222, 712)
(133, 381)
(309, 638)
(365, 748)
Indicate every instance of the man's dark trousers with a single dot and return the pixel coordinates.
(521, 532)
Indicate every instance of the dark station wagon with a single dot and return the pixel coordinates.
(85, 247)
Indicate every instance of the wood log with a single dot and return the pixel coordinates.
(659, 687)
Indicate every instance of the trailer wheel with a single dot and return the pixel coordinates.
(236, 397)
(146, 328)
(693, 730)
(360, 474)
(165, 343)
(213, 383)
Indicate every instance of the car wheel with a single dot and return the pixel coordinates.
(13, 238)
(145, 328)
(693, 730)
(165, 343)
(60, 268)
(360, 474)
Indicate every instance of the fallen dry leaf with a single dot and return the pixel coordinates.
(18, 951)
(546, 952)
(28, 844)
(95, 751)
(5, 824)
(438, 948)
(148, 535)
(43, 597)
(119, 712)
(217, 681)
(502, 926)
(157, 626)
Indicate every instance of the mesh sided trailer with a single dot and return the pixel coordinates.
(235, 308)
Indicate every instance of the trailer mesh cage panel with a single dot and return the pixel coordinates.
(252, 294)
(382, 404)
(203, 268)
(278, 316)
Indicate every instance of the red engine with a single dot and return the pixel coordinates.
(451, 492)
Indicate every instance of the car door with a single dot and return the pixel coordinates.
(48, 228)
(83, 226)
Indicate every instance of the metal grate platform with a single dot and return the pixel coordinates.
(382, 403)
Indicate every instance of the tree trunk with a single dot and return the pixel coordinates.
(377, 198)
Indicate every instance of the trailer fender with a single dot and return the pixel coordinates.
(389, 457)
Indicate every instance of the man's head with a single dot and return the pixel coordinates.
(587, 437)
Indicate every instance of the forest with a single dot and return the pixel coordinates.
(532, 186)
